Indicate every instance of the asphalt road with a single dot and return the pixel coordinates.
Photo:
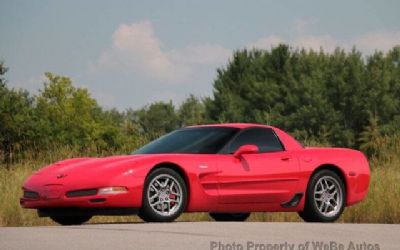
(204, 235)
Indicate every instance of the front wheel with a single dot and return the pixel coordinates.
(71, 220)
(164, 196)
(230, 216)
(325, 198)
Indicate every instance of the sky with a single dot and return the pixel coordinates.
(131, 53)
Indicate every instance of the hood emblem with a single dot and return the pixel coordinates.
(59, 176)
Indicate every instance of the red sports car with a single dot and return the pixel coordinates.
(228, 170)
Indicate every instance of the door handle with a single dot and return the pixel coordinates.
(286, 158)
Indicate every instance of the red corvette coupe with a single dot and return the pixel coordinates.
(228, 170)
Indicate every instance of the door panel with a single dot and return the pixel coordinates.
(258, 178)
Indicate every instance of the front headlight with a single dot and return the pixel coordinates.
(113, 190)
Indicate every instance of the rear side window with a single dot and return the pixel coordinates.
(264, 138)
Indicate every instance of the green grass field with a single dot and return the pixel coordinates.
(382, 204)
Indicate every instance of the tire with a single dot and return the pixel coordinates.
(325, 197)
(163, 201)
(229, 216)
(71, 220)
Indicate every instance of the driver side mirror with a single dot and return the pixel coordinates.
(246, 149)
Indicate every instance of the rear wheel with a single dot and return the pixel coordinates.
(230, 216)
(164, 196)
(71, 220)
(325, 199)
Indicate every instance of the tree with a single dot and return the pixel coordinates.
(16, 130)
(156, 119)
(371, 138)
(191, 112)
(66, 114)
(310, 94)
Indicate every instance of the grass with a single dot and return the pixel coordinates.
(382, 204)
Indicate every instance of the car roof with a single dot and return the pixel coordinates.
(288, 141)
(233, 125)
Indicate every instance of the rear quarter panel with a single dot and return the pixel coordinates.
(351, 164)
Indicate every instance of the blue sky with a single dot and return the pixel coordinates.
(131, 53)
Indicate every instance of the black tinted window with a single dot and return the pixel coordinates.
(264, 138)
(202, 140)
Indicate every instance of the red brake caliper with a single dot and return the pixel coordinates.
(172, 196)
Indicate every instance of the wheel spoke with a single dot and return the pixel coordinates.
(154, 196)
(327, 196)
(166, 182)
(174, 201)
(321, 206)
(164, 195)
(321, 186)
(154, 188)
(326, 184)
(326, 208)
(155, 204)
(176, 194)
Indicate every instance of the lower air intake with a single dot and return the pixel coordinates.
(83, 192)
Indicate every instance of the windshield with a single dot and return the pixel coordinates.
(201, 140)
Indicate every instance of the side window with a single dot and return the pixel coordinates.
(264, 138)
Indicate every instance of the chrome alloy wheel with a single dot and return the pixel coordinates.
(328, 196)
(164, 195)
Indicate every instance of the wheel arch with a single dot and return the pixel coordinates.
(177, 168)
(334, 168)
(309, 213)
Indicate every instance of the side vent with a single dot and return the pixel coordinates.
(293, 202)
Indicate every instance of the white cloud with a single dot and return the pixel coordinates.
(366, 43)
(136, 48)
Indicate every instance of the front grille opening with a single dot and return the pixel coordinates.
(31, 195)
(98, 200)
(83, 192)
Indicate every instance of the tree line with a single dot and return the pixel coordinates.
(340, 98)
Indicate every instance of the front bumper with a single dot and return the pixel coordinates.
(57, 198)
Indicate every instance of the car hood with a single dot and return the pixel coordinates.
(94, 170)
(92, 166)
